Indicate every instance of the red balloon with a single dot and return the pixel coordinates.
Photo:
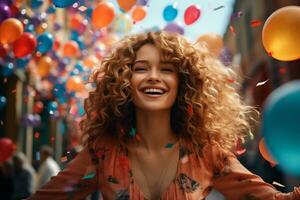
(7, 148)
(191, 14)
(25, 45)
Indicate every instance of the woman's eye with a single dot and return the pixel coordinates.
(167, 69)
(136, 69)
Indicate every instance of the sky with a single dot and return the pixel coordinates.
(210, 20)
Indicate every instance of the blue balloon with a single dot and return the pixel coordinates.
(45, 42)
(63, 3)
(52, 107)
(170, 13)
(2, 101)
(8, 69)
(280, 126)
(22, 62)
(36, 3)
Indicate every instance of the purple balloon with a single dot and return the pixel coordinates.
(142, 2)
(174, 27)
(4, 12)
(7, 2)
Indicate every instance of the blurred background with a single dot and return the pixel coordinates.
(49, 48)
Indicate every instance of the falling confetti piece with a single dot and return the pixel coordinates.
(89, 176)
(132, 132)
(282, 70)
(231, 28)
(218, 8)
(2, 123)
(278, 184)
(82, 8)
(261, 83)
(64, 159)
(138, 137)
(36, 135)
(75, 5)
(270, 53)
(185, 159)
(37, 156)
(255, 23)
(73, 110)
(5, 80)
(231, 80)
(14, 91)
(169, 145)
(236, 15)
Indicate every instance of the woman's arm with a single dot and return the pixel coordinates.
(77, 181)
(237, 183)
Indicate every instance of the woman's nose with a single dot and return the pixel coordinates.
(154, 74)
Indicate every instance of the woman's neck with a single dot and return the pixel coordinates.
(154, 128)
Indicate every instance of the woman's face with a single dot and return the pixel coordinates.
(154, 82)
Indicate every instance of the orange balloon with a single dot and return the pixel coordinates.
(90, 61)
(126, 5)
(103, 15)
(70, 49)
(213, 42)
(139, 13)
(40, 29)
(44, 66)
(74, 84)
(280, 34)
(10, 30)
(265, 152)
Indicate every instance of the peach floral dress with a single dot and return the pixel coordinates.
(200, 168)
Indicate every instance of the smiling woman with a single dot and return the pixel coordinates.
(161, 124)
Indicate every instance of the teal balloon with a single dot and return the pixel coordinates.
(281, 126)
(170, 13)
(45, 42)
(63, 3)
(2, 102)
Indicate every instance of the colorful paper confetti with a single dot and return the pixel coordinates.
(169, 145)
(278, 184)
(232, 30)
(64, 159)
(218, 8)
(236, 15)
(261, 83)
(89, 176)
(255, 23)
(132, 132)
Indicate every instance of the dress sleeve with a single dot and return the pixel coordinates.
(76, 181)
(233, 180)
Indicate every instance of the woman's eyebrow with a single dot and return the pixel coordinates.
(141, 61)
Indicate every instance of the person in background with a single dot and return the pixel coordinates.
(6, 180)
(24, 177)
(48, 166)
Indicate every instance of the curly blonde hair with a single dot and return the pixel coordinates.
(207, 107)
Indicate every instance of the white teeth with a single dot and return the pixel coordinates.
(153, 90)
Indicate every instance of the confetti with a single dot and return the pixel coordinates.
(236, 15)
(5, 80)
(231, 80)
(132, 132)
(231, 28)
(255, 23)
(282, 70)
(37, 156)
(218, 8)
(14, 91)
(82, 8)
(169, 145)
(2, 123)
(270, 53)
(278, 184)
(261, 83)
(89, 176)
(36, 135)
(185, 159)
(64, 159)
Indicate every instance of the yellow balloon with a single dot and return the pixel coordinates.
(281, 34)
